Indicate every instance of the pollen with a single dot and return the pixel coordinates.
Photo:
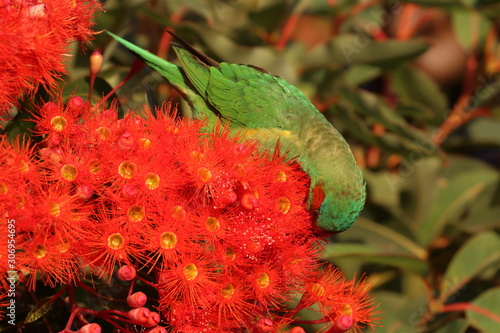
(58, 123)
(116, 241)
(212, 224)
(229, 254)
(168, 240)
(240, 169)
(228, 291)
(179, 213)
(69, 172)
(318, 290)
(127, 169)
(197, 156)
(152, 180)
(22, 166)
(173, 129)
(40, 251)
(103, 133)
(262, 280)
(63, 245)
(95, 166)
(190, 271)
(136, 213)
(54, 209)
(144, 143)
(346, 310)
(204, 174)
(280, 176)
(3, 188)
(283, 205)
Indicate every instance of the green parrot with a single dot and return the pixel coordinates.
(269, 109)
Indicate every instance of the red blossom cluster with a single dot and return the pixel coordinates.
(218, 228)
(34, 40)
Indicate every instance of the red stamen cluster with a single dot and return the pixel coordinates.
(218, 228)
(34, 40)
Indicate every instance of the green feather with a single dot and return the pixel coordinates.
(268, 108)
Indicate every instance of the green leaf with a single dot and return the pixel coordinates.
(401, 137)
(437, 3)
(486, 322)
(360, 73)
(484, 131)
(460, 183)
(470, 27)
(358, 48)
(401, 313)
(416, 88)
(380, 245)
(477, 254)
(39, 310)
(481, 219)
(456, 326)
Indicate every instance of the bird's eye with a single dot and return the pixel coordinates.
(314, 214)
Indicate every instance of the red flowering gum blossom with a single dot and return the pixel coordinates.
(34, 42)
(217, 226)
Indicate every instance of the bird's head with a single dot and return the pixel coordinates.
(338, 213)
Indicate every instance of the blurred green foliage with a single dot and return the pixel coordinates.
(413, 86)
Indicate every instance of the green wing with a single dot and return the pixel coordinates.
(175, 75)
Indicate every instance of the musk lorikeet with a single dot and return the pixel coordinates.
(269, 109)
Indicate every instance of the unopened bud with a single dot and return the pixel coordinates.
(137, 299)
(110, 114)
(139, 316)
(126, 141)
(75, 104)
(85, 191)
(126, 273)
(129, 190)
(343, 323)
(157, 329)
(90, 328)
(265, 325)
(95, 63)
(153, 320)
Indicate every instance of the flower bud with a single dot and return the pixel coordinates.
(265, 325)
(90, 328)
(75, 104)
(137, 299)
(139, 316)
(128, 191)
(85, 191)
(343, 324)
(126, 273)
(95, 62)
(297, 329)
(157, 329)
(110, 114)
(153, 320)
(126, 141)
